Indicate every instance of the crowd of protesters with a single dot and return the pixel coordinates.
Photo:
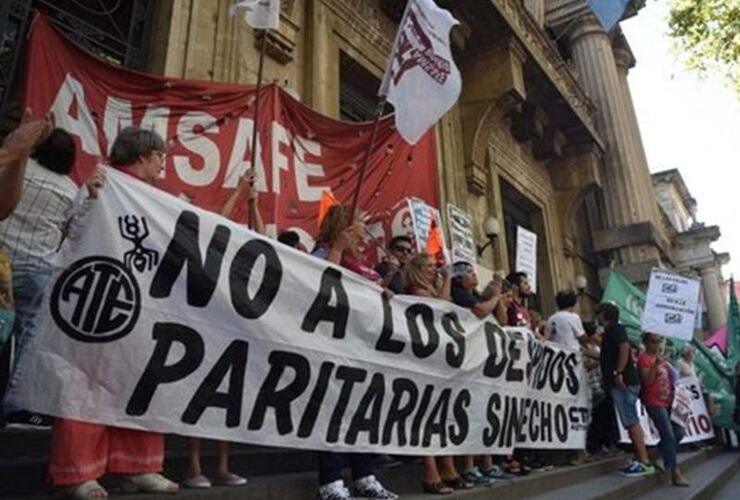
(41, 206)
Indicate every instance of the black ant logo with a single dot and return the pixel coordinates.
(135, 230)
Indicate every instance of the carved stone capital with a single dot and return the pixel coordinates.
(585, 25)
(623, 55)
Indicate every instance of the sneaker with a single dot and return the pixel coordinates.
(497, 474)
(638, 469)
(26, 420)
(333, 491)
(370, 487)
(475, 477)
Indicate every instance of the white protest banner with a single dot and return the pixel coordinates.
(461, 235)
(526, 255)
(170, 318)
(671, 305)
(698, 427)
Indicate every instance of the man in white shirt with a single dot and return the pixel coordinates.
(31, 236)
(565, 327)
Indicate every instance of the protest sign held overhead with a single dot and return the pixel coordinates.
(526, 255)
(229, 335)
(421, 80)
(462, 241)
(671, 305)
(713, 370)
(259, 14)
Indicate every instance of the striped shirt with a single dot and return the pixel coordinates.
(31, 235)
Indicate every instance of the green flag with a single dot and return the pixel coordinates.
(733, 329)
(714, 372)
(629, 299)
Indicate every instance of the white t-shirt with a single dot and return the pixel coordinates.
(565, 328)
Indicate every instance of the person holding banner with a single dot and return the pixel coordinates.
(520, 290)
(246, 189)
(81, 452)
(657, 395)
(339, 242)
(622, 381)
(420, 279)
(31, 236)
(465, 294)
(401, 250)
(195, 478)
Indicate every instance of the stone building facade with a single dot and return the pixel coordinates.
(522, 144)
(544, 134)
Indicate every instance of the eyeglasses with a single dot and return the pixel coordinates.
(407, 250)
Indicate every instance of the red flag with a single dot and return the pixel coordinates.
(327, 201)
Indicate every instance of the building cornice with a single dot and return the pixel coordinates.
(542, 51)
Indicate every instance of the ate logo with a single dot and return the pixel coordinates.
(415, 48)
(96, 299)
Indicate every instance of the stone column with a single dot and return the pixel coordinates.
(624, 60)
(716, 307)
(594, 59)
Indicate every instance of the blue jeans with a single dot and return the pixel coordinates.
(670, 434)
(28, 293)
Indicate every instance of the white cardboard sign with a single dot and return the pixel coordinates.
(461, 235)
(671, 305)
(526, 255)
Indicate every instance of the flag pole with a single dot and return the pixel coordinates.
(376, 121)
(366, 158)
(263, 45)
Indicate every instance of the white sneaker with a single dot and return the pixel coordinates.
(370, 487)
(333, 491)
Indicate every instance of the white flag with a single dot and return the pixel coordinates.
(259, 14)
(421, 81)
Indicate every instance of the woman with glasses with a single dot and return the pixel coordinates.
(421, 279)
(82, 452)
(401, 250)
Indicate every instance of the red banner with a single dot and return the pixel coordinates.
(208, 127)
